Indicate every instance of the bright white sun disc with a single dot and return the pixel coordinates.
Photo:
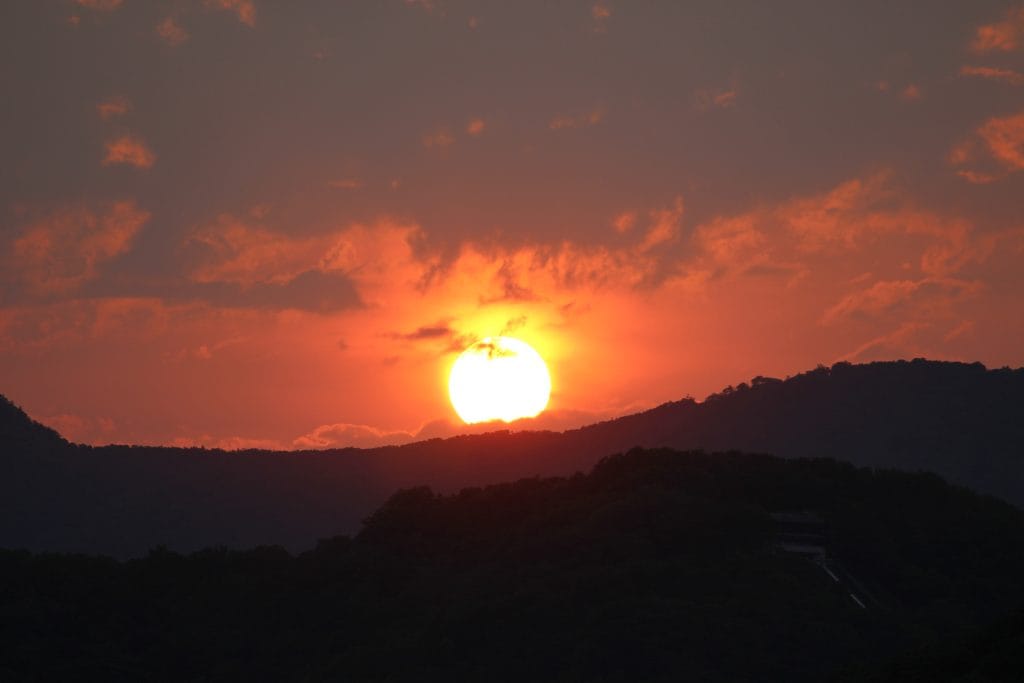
(499, 378)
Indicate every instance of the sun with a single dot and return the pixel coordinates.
(499, 378)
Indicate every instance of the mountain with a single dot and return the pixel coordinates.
(963, 422)
(21, 434)
(657, 566)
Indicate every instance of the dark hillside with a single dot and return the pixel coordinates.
(960, 421)
(658, 565)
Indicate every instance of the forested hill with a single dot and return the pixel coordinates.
(20, 433)
(656, 566)
(961, 421)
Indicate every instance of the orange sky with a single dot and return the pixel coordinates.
(238, 223)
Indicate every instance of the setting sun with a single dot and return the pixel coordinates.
(499, 378)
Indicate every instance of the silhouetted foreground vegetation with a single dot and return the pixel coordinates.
(658, 565)
(961, 421)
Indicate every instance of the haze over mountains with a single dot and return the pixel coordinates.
(961, 421)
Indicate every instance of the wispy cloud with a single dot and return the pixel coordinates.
(994, 150)
(112, 107)
(1006, 35)
(129, 150)
(588, 118)
(440, 138)
(245, 10)
(171, 31)
(715, 98)
(64, 248)
(993, 74)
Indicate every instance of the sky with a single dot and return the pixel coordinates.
(248, 223)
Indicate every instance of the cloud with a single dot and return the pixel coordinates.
(438, 331)
(993, 74)
(232, 250)
(715, 98)
(624, 222)
(795, 239)
(995, 150)
(962, 329)
(1005, 139)
(664, 227)
(100, 5)
(475, 126)
(344, 435)
(113, 107)
(589, 118)
(64, 248)
(732, 244)
(245, 10)
(81, 429)
(911, 93)
(600, 13)
(886, 296)
(440, 138)
(894, 344)
(1002, 36)
(841, 217)
(171, 32)
(128, 150)
(236, 260)
(314, 291)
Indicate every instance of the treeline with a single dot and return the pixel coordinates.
(657, 565)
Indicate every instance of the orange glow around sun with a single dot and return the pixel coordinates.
(499, 378)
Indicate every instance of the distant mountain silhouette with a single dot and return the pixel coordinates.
(21, 434)
(656, 566)
(960, 421)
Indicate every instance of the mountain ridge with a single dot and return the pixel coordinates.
(656, 565)
(961, 421)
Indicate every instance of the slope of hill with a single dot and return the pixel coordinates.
(20, 433)
(658, 565)
(961, 421)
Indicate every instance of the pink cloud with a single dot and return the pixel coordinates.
(600, 11)
(129, 150)
(665, 226)
(1005, 139)
(342, 435)
(171, 32)
(1002, 36)
(590, 118)
(80, 429)
(911, 93)
(995, 149)
(716, 98)
(245, 10)
(993, 74)
(63, 249)
(624, 222)
(884, 296)
(897, 343)
(113, 107)
(600, 14)
(440, 138)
